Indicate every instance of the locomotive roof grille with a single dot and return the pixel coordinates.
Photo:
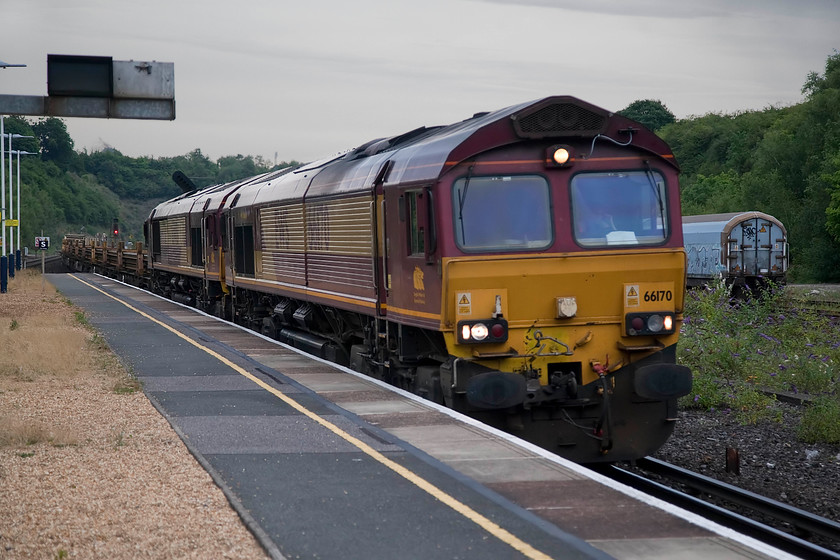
(559, 119)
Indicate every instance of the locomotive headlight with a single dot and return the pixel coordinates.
(479, 332)
(655, 323)
(668, 323)
(559, 155)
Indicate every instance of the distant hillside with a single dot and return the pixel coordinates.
(783, 161)
(63, 190)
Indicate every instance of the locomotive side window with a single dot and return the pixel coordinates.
(502, 213)
(619, 208)
(156, 240)
(417, 244)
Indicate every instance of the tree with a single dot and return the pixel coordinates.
(19, 125)
(56, 144)
(649, 112)
(830, 80)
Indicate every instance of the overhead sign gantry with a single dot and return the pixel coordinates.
(93, 87)
(100, 87)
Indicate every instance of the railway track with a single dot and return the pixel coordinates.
(788, 528)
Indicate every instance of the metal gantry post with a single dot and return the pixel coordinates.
(10, 217)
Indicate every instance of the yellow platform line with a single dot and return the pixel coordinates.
(494, 529)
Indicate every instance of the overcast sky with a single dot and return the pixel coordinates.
(309, 78)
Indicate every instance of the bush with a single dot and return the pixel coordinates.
(821, 421)
(740, 351)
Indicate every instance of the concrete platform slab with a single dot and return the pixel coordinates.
(328, 382)
(371, 408)
(676, 549)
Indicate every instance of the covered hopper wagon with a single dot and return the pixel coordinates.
(745, 249)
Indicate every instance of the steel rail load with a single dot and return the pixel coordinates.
(523, 266)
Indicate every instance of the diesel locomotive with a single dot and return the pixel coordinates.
(524, 266)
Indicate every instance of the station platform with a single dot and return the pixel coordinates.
(323, 462)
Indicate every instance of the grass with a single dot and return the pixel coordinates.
(820, 423)
(16, 432)
(741, 352)
(48, 340)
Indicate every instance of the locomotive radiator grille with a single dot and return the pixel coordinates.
(172, 248)
(282, 242)
(342, 227)
(339, 237)
(558, 119)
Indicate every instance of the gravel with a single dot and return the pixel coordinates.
(88, 470)
(773, 462)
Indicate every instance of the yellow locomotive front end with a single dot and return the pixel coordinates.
(562, 312)
(563, 338)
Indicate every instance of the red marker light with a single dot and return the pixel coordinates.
(497, 330)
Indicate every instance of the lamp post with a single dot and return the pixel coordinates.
(4, 262)
(17, 213)
(11, 215)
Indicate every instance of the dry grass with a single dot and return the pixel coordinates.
(88, 468)
(39, 334)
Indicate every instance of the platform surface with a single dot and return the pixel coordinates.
(322, 462)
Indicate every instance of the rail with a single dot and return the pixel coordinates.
(806, 523)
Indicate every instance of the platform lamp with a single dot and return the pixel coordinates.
(11, 215)
(3, 260)
(17, 213)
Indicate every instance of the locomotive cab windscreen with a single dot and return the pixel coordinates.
(502, 213)
(625, 208)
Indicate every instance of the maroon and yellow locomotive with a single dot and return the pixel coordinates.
(524, 267)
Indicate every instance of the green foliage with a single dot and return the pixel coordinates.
(650, 112)
(711, 195)
(816, 83)
(64, 191)
(56, 144)
(821, 421)
(19, 125)
(82, 319)
(131, 177)
(785, 162)
(741, 351)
